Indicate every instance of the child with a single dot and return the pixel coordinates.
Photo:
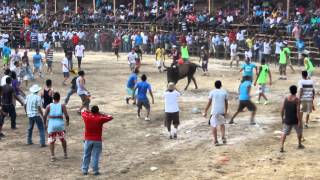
(49, 57)
(65, 69)
(93, 121)
(290, 115)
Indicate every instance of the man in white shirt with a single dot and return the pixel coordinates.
(172, 109)
(233, 54)
(240, 38)
(132, 56)
(307, 93)
(145, 42)
(248, 55)
(278, 44)
(226, 45)
(79, 53)
(218, 98)
(6, 75)
(40, 39)
(267, 50)
(65, 69)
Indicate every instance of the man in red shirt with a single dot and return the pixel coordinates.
(115, 45)
(93, 122)
(75, 39)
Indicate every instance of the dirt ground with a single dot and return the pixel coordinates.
(132, 146)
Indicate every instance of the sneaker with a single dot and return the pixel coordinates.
(266, 102)
(224, 140)
(306, 126)
(43, 145)
(175, 136)
(85, 173)
(253, 123)
(96, 173)
(231, 121)
(147, 119)
(216, 143)
(257, 102)
(127, 100)
(301, 146)
(31, 143)
(170, 136)
(2, 135)
(281, 150)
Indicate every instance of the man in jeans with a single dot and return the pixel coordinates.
(34, 113)
(8, 95)
(92, 148)
(72, 90)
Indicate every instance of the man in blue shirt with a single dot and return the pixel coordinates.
(142, 100)
(37, 62)
(247, 69)
(138, 40)
(6, 52)
(131, 83)
(244, 98)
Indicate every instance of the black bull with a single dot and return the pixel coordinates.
(177, 72)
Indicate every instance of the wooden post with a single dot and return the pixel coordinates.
(248, 7)
(55, 6)
(45, 9)
(209, 6)
(288, 9)
(76, 9)
(178, 5)
(134, 6)
(94, 5)
(114, 7)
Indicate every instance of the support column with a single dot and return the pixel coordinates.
(94, 5)
(134, 6)
(248, 7)
(178, 5)
(46, 9)
(55, 6)
(114, 7)
(209, 6)
(76, 9)
(288, 9)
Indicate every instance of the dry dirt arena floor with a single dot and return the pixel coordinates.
(132, 146)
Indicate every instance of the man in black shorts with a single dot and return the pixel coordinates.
(245, 102)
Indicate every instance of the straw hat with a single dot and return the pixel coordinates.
(171, 86)
(35, 88)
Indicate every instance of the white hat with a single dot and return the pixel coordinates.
(174, 46)
(35, 88)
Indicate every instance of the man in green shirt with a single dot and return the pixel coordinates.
(283, 61)
(184, 53)
(264, 72)
(308, 65)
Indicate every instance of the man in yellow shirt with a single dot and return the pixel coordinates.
(160, 55)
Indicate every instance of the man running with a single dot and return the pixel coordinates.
(204, 57)
(142, 100)
(218, 98)
(307, 94)
(116, 44)
(264, 72)
(244, 98)
(291, 118)
(247, 69)
(37, 63)
(234, 54)
(132, 81)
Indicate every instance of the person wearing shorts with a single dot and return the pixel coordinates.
(65, 69)
(172, 110)
(56, 128)
(82, 92)
(261, 79)
(37, 62)
(244, 100)
(49, 57)
(132, 56)
(131, 83)
(142, 100)
(291, 118)
(218, 98)
(307, 94)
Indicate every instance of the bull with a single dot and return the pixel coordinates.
(178, 72)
